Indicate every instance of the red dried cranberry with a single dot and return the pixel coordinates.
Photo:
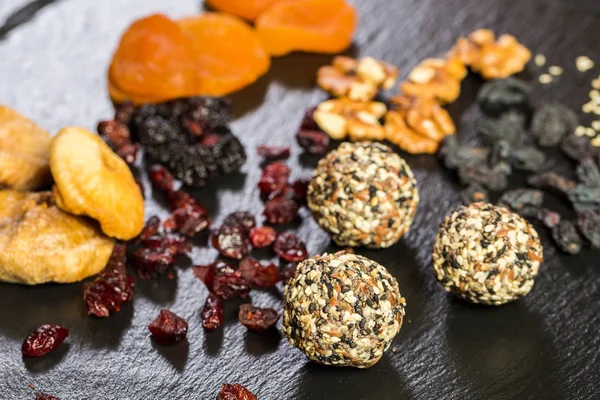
(308, 121)
(43, 340)
(257, 319)
(271, 152)
(150, 263)
(300, 189)
(129, 152)
(274, 177)
(114, 133)
(124, 112)
(288, 272)
(231, 241)
(209, 140)
(45, 396)
(228, 282)
(212, 312)
(290, 248)
(243, 219)
(161, 178)
(258, 275)
(313, 141)
(281, 210)
(172, 244)
(262, 237)
(112, 288)
(168, 328)
(235, 392)
(150, 229)
(188, 221)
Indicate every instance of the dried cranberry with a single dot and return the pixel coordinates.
(124, 112)
(150, 263)
(114, 133)
(242, 219)
(231, 241)
(281, 210)
(273, 178)
(308, 121)
(300, 189)
(188, 221)
(150, 229)
(313, 141)
(288, 272)
(112, 288)
(168, 328)
(129, 152)
(212, 312)
(206, 273)
(290, 248)
(235, 392)
(161, 178)
(172, 244)
(271, 152)
(258, 275)
(45, 396)
(228, 282)
(262, 237)
(257, 319)
(43, 340)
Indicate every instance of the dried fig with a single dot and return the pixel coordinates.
(40, 243)
(92, 180)
(24, 149)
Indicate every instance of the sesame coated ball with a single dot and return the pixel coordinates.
(342, 309)
(487, 254)
(363, 194)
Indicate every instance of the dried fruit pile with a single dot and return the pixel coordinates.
(214, 54)
(508, 146)
(416, 121)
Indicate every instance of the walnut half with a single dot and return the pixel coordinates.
(344, 117)
(436, 78)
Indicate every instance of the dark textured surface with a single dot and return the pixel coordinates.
(545, 346)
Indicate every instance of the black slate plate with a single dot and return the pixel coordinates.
(545, 346)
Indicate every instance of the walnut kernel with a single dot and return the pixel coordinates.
(344, 117)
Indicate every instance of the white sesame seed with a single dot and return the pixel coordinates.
(584, 63)
(594, 94)
(596, 83)
(596, 141)
(555, 70)
(580, 131)
(590, 132)
(596, 125)
(539, 60)
(545, 78)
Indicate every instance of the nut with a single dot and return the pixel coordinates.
(409, 140)
(344, 117)
(493, 59)
(436, 78)
(426, 117)
(356, 79)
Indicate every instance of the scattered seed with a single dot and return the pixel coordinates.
(590, 132)
(555, 70)
(580, 131)
(584, 63)
(539, 60)
(596, 83)
(596, 141)
(596, 125)
(545, 78)
(594, 94)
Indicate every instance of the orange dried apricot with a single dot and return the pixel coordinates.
(228, 54)
(152, 62)
(247, 9)
(321, 26)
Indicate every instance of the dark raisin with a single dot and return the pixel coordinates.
(525, 202)
(566, 237)
(289, 247)
(212, 312)
(206, 273)
(551, 122)
(549, 218)
(528, 159)
(274, 177)
(496, 97)
(578, 147)
(474, 193)
(124, 112)
(493, 179)
(281, 210)
(112, 288)
(168, 328)
(115, 133)
(589, 173)
(45, 396)
(494, 130)
(313, 141)
(551, 181)
(161, 179)
(455, 155)
(288, 272)
(151, 228)
(272, 152)
(257, 319)
(235, 392)
(262, 237)
(585, 198)
(589, 225)
(229, 282)
(258, 275)
(150, 263)
(43, 340)
(242, 219)
(231, 241)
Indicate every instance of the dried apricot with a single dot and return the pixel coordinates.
(92, 180)
(228, 54)
(247, 9)
(24, 151)
(320, 26)
(153, 62)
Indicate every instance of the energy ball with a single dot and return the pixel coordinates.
(342, 309)
(363, 194)
(487, 254)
